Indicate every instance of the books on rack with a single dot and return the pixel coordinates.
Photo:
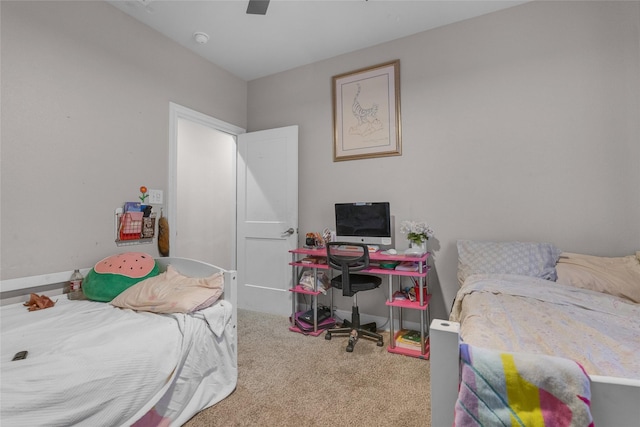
(314, 260)
(409, 339)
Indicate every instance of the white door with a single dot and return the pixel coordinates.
(267, 209)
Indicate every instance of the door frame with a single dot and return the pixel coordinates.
(177, 112)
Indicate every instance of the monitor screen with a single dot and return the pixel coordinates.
(364, 222)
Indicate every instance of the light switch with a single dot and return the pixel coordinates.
(155, 197)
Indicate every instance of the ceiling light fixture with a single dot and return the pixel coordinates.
(200, 37)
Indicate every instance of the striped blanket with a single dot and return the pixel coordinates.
(517, 389)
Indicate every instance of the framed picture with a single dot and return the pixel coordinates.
(366, 113)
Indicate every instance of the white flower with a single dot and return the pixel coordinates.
(416, 231)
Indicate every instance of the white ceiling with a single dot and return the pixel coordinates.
(295, 32)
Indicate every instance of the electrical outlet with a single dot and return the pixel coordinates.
(155, 197)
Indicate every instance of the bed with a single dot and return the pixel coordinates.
(546, 310)
(91, 363)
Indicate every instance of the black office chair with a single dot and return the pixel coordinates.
(348, 261)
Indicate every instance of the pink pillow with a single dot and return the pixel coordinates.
(171, 292)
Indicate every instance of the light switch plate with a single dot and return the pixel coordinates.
(155, 197)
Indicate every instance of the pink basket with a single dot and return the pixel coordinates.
(131, 225)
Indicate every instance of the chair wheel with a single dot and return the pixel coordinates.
(380, 343)
(327, 336)
(352, 343)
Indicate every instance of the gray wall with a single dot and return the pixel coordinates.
(521, 124)
(85, 123)
(517, 125)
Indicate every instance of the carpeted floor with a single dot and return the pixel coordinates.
(289, 379)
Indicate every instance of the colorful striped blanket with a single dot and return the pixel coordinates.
(517, 389)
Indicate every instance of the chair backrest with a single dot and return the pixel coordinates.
(355, 258)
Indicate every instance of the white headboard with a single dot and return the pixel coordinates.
(15, 290)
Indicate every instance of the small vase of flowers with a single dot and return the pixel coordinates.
(417, 232)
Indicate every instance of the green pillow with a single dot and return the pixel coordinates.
(113, 275)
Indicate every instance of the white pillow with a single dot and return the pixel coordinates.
(171, 292)
(522, 258)
(619, 276)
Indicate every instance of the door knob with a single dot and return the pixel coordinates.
(289, 232)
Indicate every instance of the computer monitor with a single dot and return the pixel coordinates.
(370, 223)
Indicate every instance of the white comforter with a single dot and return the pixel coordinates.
(93, 364)
(527, 314)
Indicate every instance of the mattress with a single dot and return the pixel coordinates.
(91, 364)
(532, 315)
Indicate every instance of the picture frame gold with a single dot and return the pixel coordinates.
(366, 113)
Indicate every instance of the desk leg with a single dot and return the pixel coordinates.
(314, 302)
(392, 341)
(421, 286)
(294, 296)
(331, 290)
(422, 340)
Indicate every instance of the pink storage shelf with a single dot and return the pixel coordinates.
(299, 289)
(392, 272)
(313, 334)
(373, 256)
(306, 264)
(411, 353)
(405, 303)
(321, 327)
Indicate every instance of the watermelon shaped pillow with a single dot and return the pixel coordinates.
(114, 274)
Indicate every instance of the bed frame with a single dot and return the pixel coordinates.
(614, 401)
(194, 268)
(16, 290)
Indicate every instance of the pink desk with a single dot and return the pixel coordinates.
(421, 304)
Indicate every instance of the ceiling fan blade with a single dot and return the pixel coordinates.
(257, 7)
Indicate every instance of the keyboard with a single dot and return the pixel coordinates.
(372, 248)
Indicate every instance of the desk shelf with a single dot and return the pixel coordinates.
(298, 266)
(300, 331)
(411, 353)
(392, 272)
(413, 305)
(302, 290)
(309, 265)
